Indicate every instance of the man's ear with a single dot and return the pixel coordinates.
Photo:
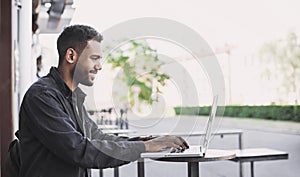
(71, 56)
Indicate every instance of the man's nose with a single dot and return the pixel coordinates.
(98, 66)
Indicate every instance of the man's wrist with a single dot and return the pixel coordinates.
(147, 146)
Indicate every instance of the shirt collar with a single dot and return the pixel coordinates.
(64, 87)
(79, 94)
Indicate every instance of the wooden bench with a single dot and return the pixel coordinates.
(257, 154)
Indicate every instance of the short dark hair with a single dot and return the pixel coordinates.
(76, 37)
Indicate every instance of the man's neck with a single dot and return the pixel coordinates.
(67, 76)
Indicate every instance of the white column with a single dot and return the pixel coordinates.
(27, 63)
(16, 61)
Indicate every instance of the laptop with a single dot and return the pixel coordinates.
(193, 151)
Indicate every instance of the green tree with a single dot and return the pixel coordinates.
(282, 59)
(140, 66)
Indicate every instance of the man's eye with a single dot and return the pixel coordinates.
(95, 57)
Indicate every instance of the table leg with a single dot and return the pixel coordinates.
(100, 173)
(241, 169)
(241, 147)
(116, 172)
(193, 169)
(141, 168)
(252, 168)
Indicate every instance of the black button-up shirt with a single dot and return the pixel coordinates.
(57, 137)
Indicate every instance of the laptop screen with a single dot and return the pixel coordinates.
(212, 115)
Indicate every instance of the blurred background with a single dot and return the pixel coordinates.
(256, 44)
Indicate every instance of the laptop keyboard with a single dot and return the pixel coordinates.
(174, 150)
(191, 150)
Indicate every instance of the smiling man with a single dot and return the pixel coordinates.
(57, 137)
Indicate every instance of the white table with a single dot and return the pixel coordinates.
(193, 162)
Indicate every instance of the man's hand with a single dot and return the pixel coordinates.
(160, 143)
(142, 138)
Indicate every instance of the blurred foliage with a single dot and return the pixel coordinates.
(289, 112)
(140, 67)
(282, 61)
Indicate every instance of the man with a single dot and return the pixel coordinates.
(57, 137)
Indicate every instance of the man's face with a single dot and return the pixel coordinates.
(88, 64)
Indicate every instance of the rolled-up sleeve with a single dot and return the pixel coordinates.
(55, 129)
